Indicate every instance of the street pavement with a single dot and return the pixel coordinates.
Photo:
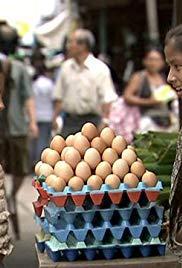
(23, 255)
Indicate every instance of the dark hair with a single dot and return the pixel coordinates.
(175, 34)
(8, 39)
(152, 48)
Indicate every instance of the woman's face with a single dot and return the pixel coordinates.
(174, 60)
(154, 61)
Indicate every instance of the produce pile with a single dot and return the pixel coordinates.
(157, 151)
(96, 199)
(94, 159)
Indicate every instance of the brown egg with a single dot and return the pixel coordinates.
(98, 144)
(72, 157)
(107, 134)
(139, 160)
(138, 169)
(63, 170)
(58, 143)
(103, 169)
(81, 143)
(113, 181)
(95, 182)
(131, 180)
(37, 166)
(83, 170)
(90, 131)
(76, 183)
(52, 157)
(57, 183)
(70, 140)
(92, 157)
(149, 178)
(131, 147)
(44, 154)
(64, 152)
(119, 144)
(45, 170)
(109, 155)
(129, 155)
(120, 168)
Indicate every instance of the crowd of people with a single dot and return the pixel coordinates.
(83, 90)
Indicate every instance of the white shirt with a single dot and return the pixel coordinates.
(43, 91)
(83, 89)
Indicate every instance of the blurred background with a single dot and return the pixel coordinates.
(122, 29)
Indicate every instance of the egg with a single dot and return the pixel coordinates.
(83, 170)
(107, 134)
(131, 147)
(98, 144)
(139, 160)
(103, 169)
(81, 143)
(109, 155)
(58, 143)
(138, 169)
(95, 182)
(90, 131)
(119, 144)
(76, 183)
(44, 154)
(64, 152)
(129, 155)
(45, 170)
(57, 183)
(72, 157)
(37, 166)
(120, 168)
(113, 181)
(131, 180)
(70, 140)
(92, 157)
(52, 157)
(149, 178)
(63, 170)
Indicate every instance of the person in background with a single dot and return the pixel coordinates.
(84, 88)
(5, 240)
(173, 53)
(19, 103)
(43, 87)
(140, 92)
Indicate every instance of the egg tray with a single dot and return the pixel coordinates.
(106, 231)
(97, 198)
(152, 214)
(82, 251)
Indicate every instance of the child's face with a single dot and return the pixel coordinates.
(174, 60)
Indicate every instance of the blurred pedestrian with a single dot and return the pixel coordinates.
(173, 52)
(5, 241)
(141, 89)
(43, 87)
(19, 103)
(84, 88)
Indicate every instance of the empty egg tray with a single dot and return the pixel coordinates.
(81, 250)
(103, 197)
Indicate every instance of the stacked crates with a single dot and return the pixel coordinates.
(106, 223)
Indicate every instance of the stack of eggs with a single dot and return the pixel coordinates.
(92, 158)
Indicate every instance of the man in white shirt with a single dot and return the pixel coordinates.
(84, 89)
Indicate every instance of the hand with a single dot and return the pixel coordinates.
(54, 125)
(152, 101)
(34, 130)
(1, 105)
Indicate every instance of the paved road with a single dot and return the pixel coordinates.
(24, 255)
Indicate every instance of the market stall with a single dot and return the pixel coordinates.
(98, 201)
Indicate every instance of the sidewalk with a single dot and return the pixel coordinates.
(24, 255)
